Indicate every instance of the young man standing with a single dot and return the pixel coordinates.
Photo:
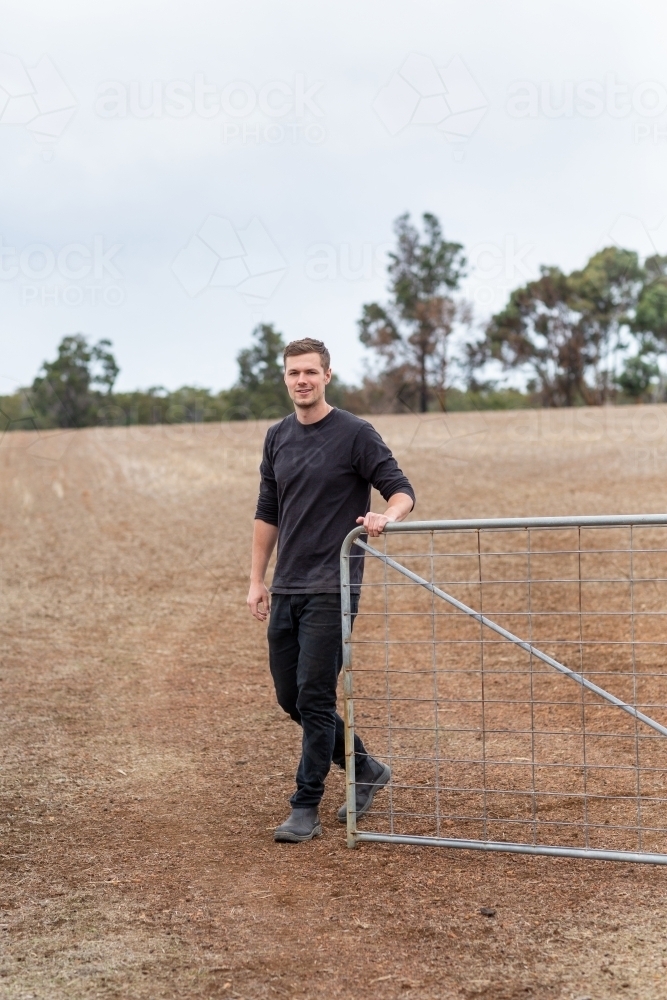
(317, 470)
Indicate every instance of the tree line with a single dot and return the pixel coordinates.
(590, 337)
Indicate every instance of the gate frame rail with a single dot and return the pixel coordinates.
(356, 836)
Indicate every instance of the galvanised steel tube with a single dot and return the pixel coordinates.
(537, 653)
(346, 618)
(593, 521)
(591, 854)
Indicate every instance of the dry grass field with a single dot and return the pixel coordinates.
(145, 761)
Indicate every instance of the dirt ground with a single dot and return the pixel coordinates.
(145, 761)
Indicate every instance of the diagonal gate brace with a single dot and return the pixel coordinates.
(549, 660)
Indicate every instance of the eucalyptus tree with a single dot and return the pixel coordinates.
(410, 332)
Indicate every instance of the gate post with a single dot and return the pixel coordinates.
(346, 624)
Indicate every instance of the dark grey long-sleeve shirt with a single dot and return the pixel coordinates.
(315, 482)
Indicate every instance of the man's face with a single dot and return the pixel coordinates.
(306, 379)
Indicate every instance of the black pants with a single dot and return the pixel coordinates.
(305, 656)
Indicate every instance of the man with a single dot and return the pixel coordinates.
(317, 470)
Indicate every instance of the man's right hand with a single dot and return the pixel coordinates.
(259, 601)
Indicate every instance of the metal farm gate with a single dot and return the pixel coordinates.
(513, 674)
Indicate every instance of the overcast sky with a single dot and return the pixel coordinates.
(174, 173)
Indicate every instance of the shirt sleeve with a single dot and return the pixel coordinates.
(373, 460)
(267, 502)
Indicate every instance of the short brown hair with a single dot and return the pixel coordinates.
(307, 346)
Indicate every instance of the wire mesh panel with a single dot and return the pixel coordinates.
(513, 674)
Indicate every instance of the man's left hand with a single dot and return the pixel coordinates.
(374, 523)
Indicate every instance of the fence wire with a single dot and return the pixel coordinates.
(512, 674)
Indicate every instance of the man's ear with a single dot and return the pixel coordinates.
(327, 377)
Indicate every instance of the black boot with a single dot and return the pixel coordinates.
(300, 825)
(373, 776)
